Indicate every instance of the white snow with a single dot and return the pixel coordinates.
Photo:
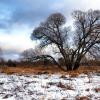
(48, 87)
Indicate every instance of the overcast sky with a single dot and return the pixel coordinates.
(19, 17)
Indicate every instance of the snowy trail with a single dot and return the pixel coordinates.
(49, 87)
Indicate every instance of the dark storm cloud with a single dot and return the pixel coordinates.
(31, 12)
(27, 11)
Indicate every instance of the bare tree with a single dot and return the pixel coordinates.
(87, 35)
(37, 54)
(29, 54)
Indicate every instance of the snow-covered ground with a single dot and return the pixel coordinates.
(49, 87)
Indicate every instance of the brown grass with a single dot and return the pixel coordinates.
(66, 87)
(29, 70)
(61, 85)
(48, 69)
(85, 70)
(97, 89)
(82, 98)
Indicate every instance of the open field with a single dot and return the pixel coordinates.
(47, 69)
(50, 87)
(40, 83)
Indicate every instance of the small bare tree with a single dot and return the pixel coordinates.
(37, 54)
(87, 35)
(29, 54)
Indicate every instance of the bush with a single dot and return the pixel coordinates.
(10, 63)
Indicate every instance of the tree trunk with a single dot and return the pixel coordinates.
(69, 67)
(76, 65)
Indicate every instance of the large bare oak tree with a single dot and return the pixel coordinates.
(86, 36)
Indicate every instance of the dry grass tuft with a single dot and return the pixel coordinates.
(63, 76)
(74, 74)
(82, 98)
(40, 73)
(51, 83)
(67, 87)
(61, 85)
(88, 90)
(97, 89)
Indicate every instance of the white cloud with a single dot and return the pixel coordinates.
(17, 39)
(76, 4)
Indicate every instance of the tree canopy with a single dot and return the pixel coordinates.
(86, 36)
